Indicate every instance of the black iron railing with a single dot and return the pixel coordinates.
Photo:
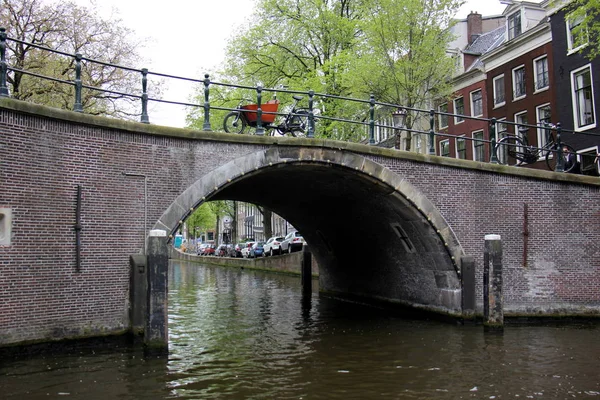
(369, 119)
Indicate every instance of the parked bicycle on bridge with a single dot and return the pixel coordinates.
(517, 147)
(295, 122)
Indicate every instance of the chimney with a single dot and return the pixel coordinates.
(474, 26)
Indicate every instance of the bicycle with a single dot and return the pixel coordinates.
(518, 148)
(294, 123)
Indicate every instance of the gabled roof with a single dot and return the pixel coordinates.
(484, 44)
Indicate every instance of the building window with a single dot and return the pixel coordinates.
(543, 116)
(442, 118)
(499, 98)
(501, 131)
(459, 109)
(575, 37)
(478, 146)
(461, 148)
(540, 69)
(514, 25)
(476, 103)
(521, 128)
(519, 82)
(418, 143)
(583, 98)
(445, 148)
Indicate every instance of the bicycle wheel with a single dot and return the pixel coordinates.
(234, 123)
(569, 158)
(299, 124)
(511, 148)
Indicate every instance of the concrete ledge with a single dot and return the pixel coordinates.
(286, 263)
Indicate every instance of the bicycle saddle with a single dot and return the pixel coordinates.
(297, 98)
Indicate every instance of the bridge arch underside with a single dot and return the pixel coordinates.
(369, 240)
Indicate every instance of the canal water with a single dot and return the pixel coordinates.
(240, 334)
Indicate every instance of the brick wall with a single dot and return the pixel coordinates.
(44, 158)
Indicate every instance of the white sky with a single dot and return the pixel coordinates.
(187, 38)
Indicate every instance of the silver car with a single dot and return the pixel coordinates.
(293, 241)
(273, 245)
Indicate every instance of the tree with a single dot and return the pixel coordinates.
(202, 218)
(69, 28)
(402, 59)
(586, 13)
(294, 45)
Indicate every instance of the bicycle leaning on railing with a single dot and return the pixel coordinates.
(295, 122)
(517, 147)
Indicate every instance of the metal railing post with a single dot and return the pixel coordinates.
(431, 132)
(311, 114)
(206, 125)
(77, 106)
(144, 118)
(372, 120)
(493, 155)
(3, 65)
(260, 131)
(560, 161)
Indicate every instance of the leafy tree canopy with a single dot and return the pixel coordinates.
(69, 28)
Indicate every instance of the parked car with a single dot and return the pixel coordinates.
(201, 248)
(293, 241)
(238, 249)
(273, 245)
(246, 250)
(209, 250)
(257, 250)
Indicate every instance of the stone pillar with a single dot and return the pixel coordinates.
(156, 332)
(492, 282)
(468, 287)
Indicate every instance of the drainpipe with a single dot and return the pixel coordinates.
(145, 203)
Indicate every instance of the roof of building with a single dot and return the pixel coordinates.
(485, 43)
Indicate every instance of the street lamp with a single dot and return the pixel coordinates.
(399, 121)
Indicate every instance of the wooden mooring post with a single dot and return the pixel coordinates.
(493, 314)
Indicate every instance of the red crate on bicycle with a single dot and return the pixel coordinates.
(270, 106)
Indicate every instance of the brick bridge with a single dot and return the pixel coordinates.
(382, 224)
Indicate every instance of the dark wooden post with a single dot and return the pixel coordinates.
(156, 332)
(492, 282)
(467, 276)
(306, 270)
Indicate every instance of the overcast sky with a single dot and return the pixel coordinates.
(188, 38)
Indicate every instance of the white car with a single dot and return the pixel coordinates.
(293, 241)
(247, 249)
(273, 245)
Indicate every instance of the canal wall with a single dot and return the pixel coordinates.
(285, 263)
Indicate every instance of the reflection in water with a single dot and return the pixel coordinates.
(249, 335)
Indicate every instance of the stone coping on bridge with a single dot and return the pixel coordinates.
(194, 134)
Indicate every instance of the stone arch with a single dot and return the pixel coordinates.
(228, 174)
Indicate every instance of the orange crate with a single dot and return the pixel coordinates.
(266, 118)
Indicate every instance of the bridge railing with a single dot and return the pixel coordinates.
(372, 123)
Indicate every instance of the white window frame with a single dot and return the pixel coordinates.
(477, 143)
(460, 139)
(473, 104)
(503, 102)
(457, 119)
(501, 122)
(574, 73)
(441, 145)
(570, 39)
(518, 116)
(508, 20)
(536, 79)
(541, 131)
(514, 83)
(442, 117)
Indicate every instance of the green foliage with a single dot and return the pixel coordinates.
(202, 218)
(394, 49)
(587, 33)
(69, 28)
